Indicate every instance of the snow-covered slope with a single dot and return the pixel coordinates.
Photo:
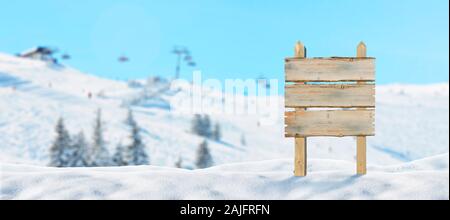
(412, 121)
(273, 179)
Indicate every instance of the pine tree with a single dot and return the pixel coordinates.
(196, 124)
(206, 125)
(99, 154)
(243, 141)
(118, 158)
(201, 125)
(217, 133)
(179, 163)
(81, 153)
(204, 158)
(135, 151)
(61, 151)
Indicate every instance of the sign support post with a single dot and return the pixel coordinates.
(361, 148)
(301, 143)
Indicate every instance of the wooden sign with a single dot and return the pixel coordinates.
(329, 97)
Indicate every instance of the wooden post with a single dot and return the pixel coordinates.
(361, 143)
(362, 50)
(300, 162)
(361, 155)
(300, 50)
(300, 156)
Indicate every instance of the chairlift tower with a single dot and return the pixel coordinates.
(183, 54)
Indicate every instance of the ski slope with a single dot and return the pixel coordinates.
(412, 123)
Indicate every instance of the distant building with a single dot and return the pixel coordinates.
(40, 53)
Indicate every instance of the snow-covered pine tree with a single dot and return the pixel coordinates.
(201, 125)
(81, 153)
(207, 127)
(118, 157)
(196, 124)
(61, 151)
(217, 133)
(99, 154)
(179, 163)
(243, 140)
(204, 158)
(135, 153)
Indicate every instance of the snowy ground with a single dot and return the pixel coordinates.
(328, 179)
(412, 123)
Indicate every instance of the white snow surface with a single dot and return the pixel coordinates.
(266, 180)
(412, 123)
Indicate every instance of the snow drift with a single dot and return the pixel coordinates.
(327, 179)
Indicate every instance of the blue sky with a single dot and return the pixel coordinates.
(232, 38)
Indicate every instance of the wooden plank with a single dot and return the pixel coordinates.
(361, 141)
(300, 163)
(361, 155)
(337, 123)
(335, 69)
(331, 95)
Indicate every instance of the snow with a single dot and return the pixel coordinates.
(271, 179)
(412, 123)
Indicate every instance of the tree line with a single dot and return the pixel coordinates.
(76, 151)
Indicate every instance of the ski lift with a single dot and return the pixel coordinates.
(123, 59)
(180, 50)
(176, 51)
(65, 56)
(185, 51)
(183, 54)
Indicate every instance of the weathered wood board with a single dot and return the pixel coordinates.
(331, 95)
(335, 69)
(337, 123)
